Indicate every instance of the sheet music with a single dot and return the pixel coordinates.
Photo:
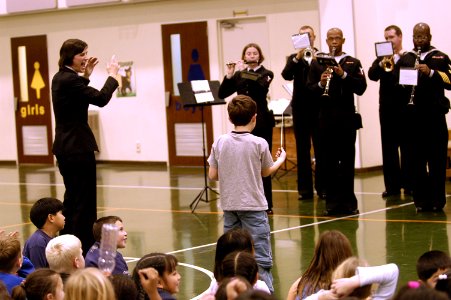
(278, 106)
(300, 41)
(289, 88)
(202, 92)
(408, 76)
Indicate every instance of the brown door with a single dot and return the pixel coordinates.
(185, 58)
(32, 99)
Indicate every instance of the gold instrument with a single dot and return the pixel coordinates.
(388, 63)
(329, 70)
(417, 62)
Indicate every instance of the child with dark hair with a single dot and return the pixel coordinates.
(236, 239)
(242, 264)
(430, 265)
(124, 287)
(92, 257)
(47, 215)
(444, 283)
(41, 284)
(413, 290)
(168, 277)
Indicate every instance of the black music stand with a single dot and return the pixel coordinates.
(191, 98)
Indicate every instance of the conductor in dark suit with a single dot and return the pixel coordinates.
(74, 143)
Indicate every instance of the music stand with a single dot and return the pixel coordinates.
(201, 93)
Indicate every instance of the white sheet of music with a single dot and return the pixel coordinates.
(408, 76)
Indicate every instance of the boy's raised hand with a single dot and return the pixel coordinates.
(281, 154)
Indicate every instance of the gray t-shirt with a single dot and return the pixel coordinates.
(240, 158)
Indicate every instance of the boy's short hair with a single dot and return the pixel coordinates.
(9, 253)
(61, 251)
(430, 262)
(97, 227)
(241, 109)
(43, 208)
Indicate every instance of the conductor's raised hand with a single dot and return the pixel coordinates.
(112, 66)
(90, 65)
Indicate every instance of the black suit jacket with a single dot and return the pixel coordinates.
(71, 97)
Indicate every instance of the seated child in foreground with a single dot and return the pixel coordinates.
(10, 261)
(353, 278)
(92, 257)
(168, 277)
(47, 215)
(65, 255)
(430, 265)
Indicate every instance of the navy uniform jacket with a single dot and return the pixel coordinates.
(298, 72)
(71, 97)
(338, 110)
(430, 91)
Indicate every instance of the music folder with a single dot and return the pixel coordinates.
(326, 61)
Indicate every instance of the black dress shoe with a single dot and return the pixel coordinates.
(437, 209)
(421, 209)
(305, 196)
(386, 194)
(330, 212)
(322, 195)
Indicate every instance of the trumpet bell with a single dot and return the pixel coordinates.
(388, 63)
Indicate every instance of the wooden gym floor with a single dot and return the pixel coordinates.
(154, 202)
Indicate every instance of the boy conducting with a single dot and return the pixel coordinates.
(238, 160)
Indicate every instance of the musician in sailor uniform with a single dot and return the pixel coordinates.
(305, 112)
(427, 131)
(396, 171)
(338, 122)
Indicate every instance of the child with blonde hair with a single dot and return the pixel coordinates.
(65, 255)
(88, 284)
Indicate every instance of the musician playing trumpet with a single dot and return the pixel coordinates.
(427, 131)
(338, 122)
(305, 112)
(396, 170)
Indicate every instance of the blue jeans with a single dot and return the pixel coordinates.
(256, 222)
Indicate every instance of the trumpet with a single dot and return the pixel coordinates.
(417, 62)
(388, 63)
(308, 55)
(329, 70)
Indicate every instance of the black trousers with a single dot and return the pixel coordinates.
(428, 143)
(80, 197)
(397, 171)
(306, 133)
(339, 159)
